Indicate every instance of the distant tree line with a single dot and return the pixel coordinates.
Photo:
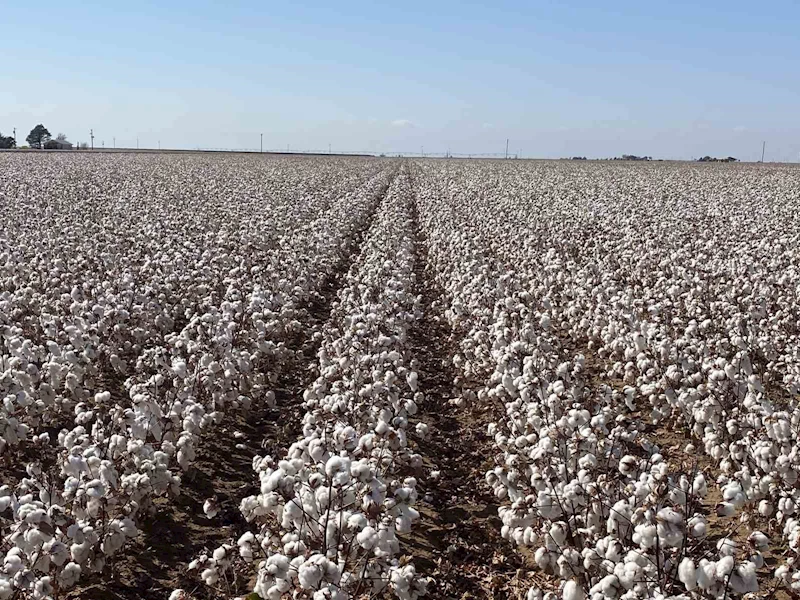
(38, 138)
(623, 157)
(712, 159)
(633, 157)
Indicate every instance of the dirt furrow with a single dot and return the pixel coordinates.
(457, 540)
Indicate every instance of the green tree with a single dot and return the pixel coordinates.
(38, 136)
(7, 142)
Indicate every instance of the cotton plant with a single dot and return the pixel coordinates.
(676, 332)
(591, 308)
(330, 510)
(130, 346)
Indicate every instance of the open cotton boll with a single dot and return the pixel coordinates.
(367, 538)
(411, 379)
(743, 579)
(211, 508)
(724, 566)
(572, 591)
(697, 526)
(726, 547)
(210, 576)
(534, 593)
(687, 574)
(758, 540)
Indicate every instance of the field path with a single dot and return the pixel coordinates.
(457, 540)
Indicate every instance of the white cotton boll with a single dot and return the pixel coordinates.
(211, 508)
(706, 574)
(210, 576)
(726, 547)
(367, 538)
(725, 509)
(687, 574)
(219, 554)
(572, 591)
(699, 486)
(179, 368)
(178, 594)
(42, 589)
(627, 464)
(411, 407)
(6, 588)
(697, 526)
(80, 552)
(70, 575)
(459, 402)
(639, 342)
(58, 552)
(310, 573)
(743, 580)
(783, 574)
(724, 566)
(786, 506)
(758, 540)
(422, 430)
(411, 379)
(534, 593)
(558, 533)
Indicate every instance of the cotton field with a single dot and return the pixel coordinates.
(249, 376)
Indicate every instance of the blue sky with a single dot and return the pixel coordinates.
(668, 79)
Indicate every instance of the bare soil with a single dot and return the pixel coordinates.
(457, 541)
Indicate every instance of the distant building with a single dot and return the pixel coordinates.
(58, 145)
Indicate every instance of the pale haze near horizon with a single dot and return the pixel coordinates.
(669, 80)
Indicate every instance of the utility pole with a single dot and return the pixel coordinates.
(506, 147)
(159, 144)
(763, 147)
(91, 135)
(114, 141)
(329, 149)
(137, 142)
(262, 142)
(422, 151)
(15, 136)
